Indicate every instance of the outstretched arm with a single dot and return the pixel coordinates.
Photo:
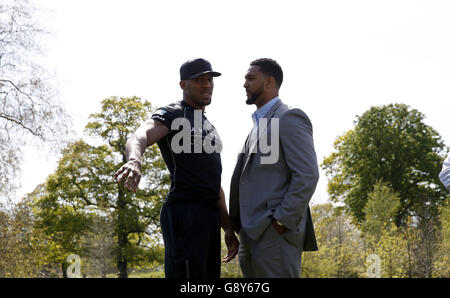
(146, 135)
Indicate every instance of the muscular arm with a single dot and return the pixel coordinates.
(146, 135)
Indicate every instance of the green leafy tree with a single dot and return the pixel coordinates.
(98, 247)
(425, 241)
(340, 246)
(442, 261)
(83, 183)
(22, 244)
(60, 217)
(391, 246)
(392, 144)
(381, 235)
(380, 210)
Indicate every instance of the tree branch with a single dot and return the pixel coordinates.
(17, 88)
(18, 122)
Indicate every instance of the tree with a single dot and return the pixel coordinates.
(84, 183)
(380, 210)
(340, 245)
(442, 260)
(28, 108)
(391, 144)
(60, 220)
(381, 235)
(426, 235)
(391, 247)
(98, 247)
(412, 250)
(22, 245)
(139, 213)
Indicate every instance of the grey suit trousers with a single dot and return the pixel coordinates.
(270, 256)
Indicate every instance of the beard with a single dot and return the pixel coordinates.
(250, 101)
(252, 97)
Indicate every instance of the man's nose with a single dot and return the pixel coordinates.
(207, 84)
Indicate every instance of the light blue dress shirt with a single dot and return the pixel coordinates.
(262, 111)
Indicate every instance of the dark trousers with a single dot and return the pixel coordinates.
(191, 233)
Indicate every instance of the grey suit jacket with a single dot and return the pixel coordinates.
(281, 190)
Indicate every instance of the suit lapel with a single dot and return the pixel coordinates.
(269, 117)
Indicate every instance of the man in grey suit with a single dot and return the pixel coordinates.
(274, 179)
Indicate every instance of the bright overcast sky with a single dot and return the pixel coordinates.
(339, 58)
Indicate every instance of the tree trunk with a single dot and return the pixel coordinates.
(64, 266)
(121, 258)
(122, 236)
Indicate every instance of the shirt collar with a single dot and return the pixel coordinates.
(262, 111)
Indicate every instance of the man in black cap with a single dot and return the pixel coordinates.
(195, 208)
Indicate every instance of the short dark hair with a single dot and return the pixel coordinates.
(271, 68)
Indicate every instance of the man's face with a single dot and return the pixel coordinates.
(198, 91)
(254, 85)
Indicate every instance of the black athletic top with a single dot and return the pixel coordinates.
(194, 163)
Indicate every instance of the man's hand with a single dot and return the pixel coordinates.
(232, 246)
(146, 135)
(279, 228)
(131, 171)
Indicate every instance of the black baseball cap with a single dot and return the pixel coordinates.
(196, 67)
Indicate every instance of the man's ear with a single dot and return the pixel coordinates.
(182, 84)
(270, 82)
